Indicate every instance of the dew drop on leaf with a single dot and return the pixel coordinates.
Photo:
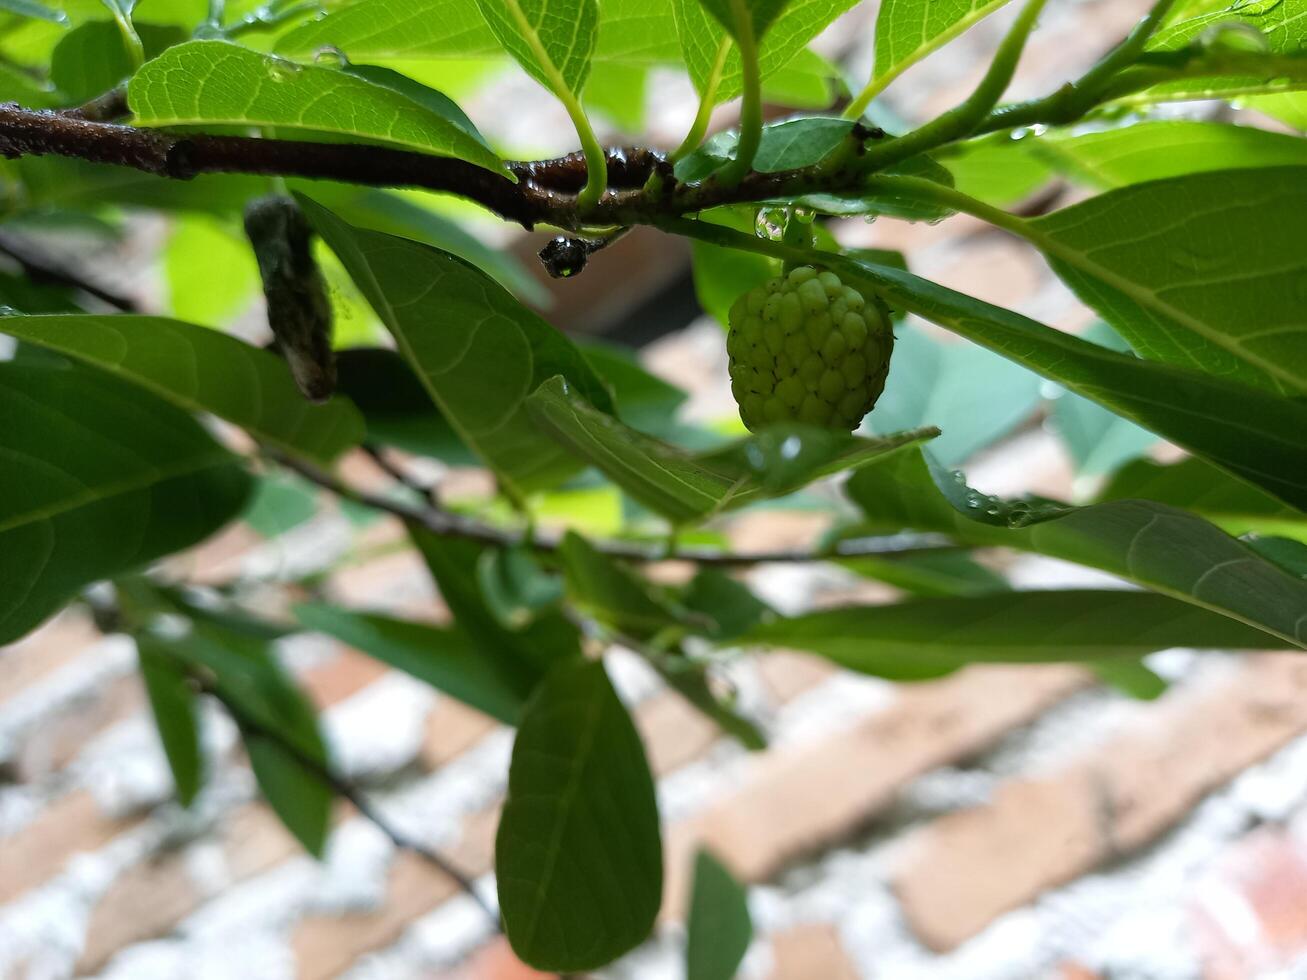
(330, 56)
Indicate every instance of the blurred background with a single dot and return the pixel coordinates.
(999, 823)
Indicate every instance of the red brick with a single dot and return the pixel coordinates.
(71, 825)
(808, 952)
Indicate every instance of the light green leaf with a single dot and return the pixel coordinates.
(100, 477)
(1157, 150)
(807, 81)
(447, 659)
(1154, 545)
(618, 92)
(719, 928)
(172, 702)
(1257, 436)
(973, 396)
(1130, 676)
(687, 487)
(551, 39)
(578, 858)
(1203, 271)
(264, 90)
(637, 32)
(1289, 107)
(996, 169)
(396, 30)
(281, 503)
(922, 638)
(201, 370)
(476, 349)
(55, 182)
(194, 293)
(908, 30)
(701, 35)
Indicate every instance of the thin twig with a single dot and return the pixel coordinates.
(346, 790)
(103, 108)
(449, 524)
(42, 269)
(400, 475)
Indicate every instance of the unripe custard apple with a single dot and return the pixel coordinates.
(807, 348)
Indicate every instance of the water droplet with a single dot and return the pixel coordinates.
(973, 500)
(279, 69)
(330, 56)
(992, 510)
(790, 447)
(1200, 257)
(1019, 133)
(959, 477)
(1050, 391)
(804, 216)
(9, 311)
(770, 223)
(1234, 36)
(1039, 129)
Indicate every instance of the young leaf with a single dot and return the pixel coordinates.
(1201, 270)
(578, 857)
(719, 928)
(1157, 546)
(172, 702)
(264, 90)
(201, 370)
(685, 487)
(612, 593)
(1247, 431)
(1157, 150)
(396, 30)
(908, 30)
(100, 477)
(1130, 676)
(277, 723)
(551, 39)
(919, 639)
(476, 349)
(447, 659)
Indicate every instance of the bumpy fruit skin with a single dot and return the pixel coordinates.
(807, 348)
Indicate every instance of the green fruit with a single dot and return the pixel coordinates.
(807, 348)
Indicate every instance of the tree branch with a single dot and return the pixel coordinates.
(449, 524)
(42, 269)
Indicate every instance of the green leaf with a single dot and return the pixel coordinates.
(520, 656)
(686, 487)
(719, 928)
(264, 90)
(1154, 545)
(1199, 270)
(1279, 30)
(277, 723)
(172, 702)
(91, 59)
(1288, 554)
(1158, 150)
(785, 145)
(281, 503)
(930, 573)
(515, 586)
(808, 81)
(396, 29)
(30, 8)
(65, 183)
(194, 293)
(1247, 431)
(727, 604)
(100, 478)
(753, 16)
(201, 370)
(908, 30)
(551, 39)
(701, 36)
(611, 592)
(578, 858)
(447, 659)
(428, 98)
(1288, 107)
(919, 639)
(643, 400)
(1130, 676)
(890, 204)
(618, 92)
(477, 350)
(723, 275)
(996, 169)
(637, 32)
(973, 396)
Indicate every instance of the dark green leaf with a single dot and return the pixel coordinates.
(172, 702)
(281, 503)
(65, 183)
(891, 204)
(685, 487)
(1289, 554)
(428, 98)
(477, 350)
(514, 585)
(931, 573)
(923, 638)
(1249, 432)
(263, 90)
(447, 659)
(201, 370)
(1200, 271)
(643, 400)
(91, 59)
(100, 477)
(1155, 545)
(578, 858)
(612, 593)
(719, 928)
(725, 603)
(1130, 676)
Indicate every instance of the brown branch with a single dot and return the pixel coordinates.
(103, 108)
(449, 524)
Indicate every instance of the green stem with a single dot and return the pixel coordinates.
(131, 40)
(596, 162)
(699, 128)
(962, 120)
(751, 109)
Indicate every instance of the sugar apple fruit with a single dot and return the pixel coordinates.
(807, 348)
